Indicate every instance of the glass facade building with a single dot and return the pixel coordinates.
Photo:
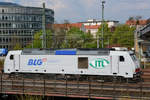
(19, 23)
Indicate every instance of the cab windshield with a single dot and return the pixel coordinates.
(133, 57)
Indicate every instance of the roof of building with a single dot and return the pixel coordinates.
(92, 26)
(10, 4)
(78, 25)
(96, 21)
(135, 22)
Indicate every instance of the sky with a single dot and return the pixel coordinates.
(82, 10)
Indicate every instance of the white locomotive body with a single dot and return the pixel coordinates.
(104, 62)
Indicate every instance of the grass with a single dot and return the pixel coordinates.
(29, 97)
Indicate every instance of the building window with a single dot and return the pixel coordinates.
(6, 39)
(6, 17)
(7, 32)
(3, 25)
(6, 25)
(3, 31)
(2, 17)
(3, 40)
(2, 10)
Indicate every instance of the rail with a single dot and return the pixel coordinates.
(74, 88)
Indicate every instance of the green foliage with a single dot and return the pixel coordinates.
(37, 41)
(29, 97)
(107, 34)
(29, 46)
(17, 47)
(75, 38)
(89, 41)
(59, 37)
(123, 35)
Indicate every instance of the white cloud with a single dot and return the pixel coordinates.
(57, 5)
(82, 9)
(127, 6)
(136, 6)
(142, 6)
(8, 0)
(35, 3)
(88, 3)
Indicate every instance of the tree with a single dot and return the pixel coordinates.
(135, 18)
(106, 36)
(17, 47)
(138, 17)
(123, 35)
(89, 41)
(37, 41)
(59, 37)
(131, 18)
(75, 38)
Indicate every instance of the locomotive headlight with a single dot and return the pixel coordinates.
(137, 70)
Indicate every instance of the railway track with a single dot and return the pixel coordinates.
(88, 89)
(146, 75)
(76, 88)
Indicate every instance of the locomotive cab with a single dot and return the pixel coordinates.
(137, 71)
(11, 63)
(125, 64)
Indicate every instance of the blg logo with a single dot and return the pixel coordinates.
(36, 62)
(99, 63)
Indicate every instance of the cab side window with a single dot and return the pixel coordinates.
(121, 58)
(11, 57)
(83, 62)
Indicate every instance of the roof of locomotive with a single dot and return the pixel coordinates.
(82, 51)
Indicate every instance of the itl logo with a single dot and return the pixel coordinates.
(36, 62)
(99, 63)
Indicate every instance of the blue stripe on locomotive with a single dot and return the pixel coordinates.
(63, 52)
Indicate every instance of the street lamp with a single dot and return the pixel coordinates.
(32, 32)
(102, 30)
(43, 27)
(102, 24)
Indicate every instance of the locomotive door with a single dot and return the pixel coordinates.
(115, 64)
(17, 62)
